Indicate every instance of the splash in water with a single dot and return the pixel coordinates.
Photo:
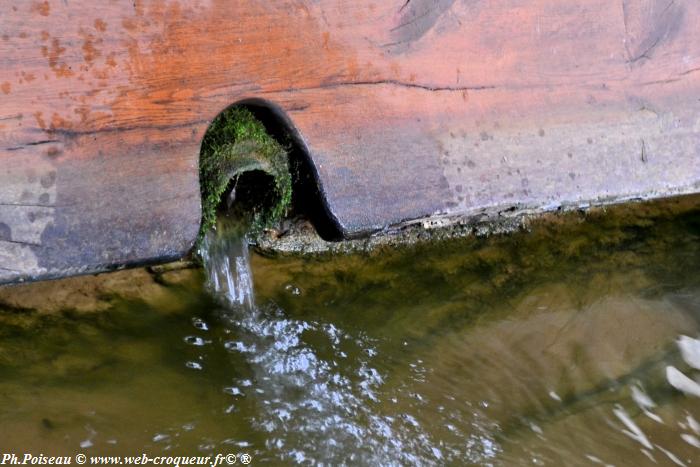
(310, 408)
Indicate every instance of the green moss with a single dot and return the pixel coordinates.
(237, 142)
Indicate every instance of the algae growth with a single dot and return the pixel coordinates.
(236, 142)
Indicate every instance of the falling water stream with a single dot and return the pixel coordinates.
(301, 391)
(226, 262)
(572, 343)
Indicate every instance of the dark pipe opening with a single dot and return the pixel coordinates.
(307, 195)
(248, 193)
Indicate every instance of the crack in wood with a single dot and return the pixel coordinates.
(45, 141)
(23, 205)
(19, 242)
(11, 270)
(648, 24)
(417, 18)
(32, 143)
(70, 133)
(688, 72)
(413, 20)
(645, 53)
(387, 82)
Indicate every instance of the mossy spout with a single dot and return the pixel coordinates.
(235, 143)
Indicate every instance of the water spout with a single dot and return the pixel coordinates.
(226, 260)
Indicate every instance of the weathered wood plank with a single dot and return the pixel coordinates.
(408, 109)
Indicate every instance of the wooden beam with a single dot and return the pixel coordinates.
(407, 109)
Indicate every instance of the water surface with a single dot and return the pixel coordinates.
(564, 345)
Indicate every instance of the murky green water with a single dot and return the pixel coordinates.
(548, 347)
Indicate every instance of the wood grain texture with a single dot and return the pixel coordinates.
(408, 109)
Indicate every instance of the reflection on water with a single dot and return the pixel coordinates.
(571, 344)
